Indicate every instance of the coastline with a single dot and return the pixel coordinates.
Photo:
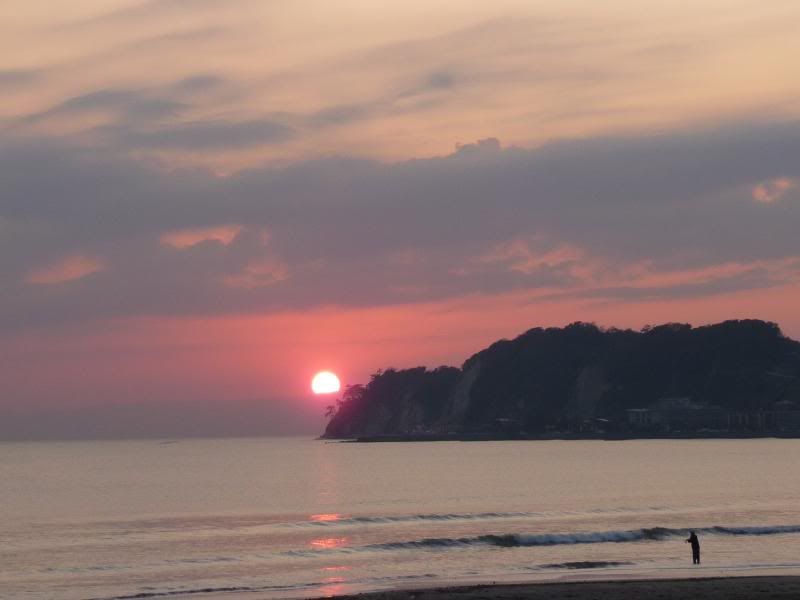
(563, 436)
(781, 587)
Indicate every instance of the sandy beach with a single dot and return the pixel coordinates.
(727, 588)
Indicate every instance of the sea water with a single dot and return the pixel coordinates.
(278, 517)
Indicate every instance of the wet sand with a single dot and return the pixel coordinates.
(727, 588)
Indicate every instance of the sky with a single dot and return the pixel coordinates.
(205, 202)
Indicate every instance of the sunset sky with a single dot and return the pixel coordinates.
(205, 202)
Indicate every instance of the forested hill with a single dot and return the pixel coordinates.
(583, 378)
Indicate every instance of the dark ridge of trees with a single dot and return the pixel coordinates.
(529, 379)
(549, 377)
(393, 400)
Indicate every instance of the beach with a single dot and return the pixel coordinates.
(727, 588)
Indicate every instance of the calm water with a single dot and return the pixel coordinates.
(296, 517)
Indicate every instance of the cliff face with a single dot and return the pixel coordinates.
(394, 402)
(558, 378)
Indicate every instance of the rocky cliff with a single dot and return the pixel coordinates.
(568, 378)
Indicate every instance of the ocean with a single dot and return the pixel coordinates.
(294, 518)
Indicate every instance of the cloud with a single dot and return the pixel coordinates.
(110, 117)
(67, 269)
(752, 279)
(162, 45)
(153, 119)
(387, 104)
(199, 83)
(132, 105)
(440, 80)
(186, 238)
(773, 190)
(258, 274)
(578, 217)
(424, 80)
(485, 147)
(517, 255)
(646, 282)
(15, 77)
(152, 10)
(205, 135)
(341, 114)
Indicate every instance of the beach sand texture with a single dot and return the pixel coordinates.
(728, 588)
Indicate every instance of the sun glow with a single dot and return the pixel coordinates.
(325, 382)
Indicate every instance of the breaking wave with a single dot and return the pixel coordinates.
(766, 530)
(516, 540)
(412, 518)
(594, 537)
(513, 540)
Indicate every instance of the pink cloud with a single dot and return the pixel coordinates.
(517, 255)
(67, 269)
(259, 274)
(646, 275)
(186, 238)
(772, 190)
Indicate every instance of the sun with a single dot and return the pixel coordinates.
(325, 382)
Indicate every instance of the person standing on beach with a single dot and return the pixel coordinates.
(692, 539)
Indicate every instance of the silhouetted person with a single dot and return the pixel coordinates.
(695, 547)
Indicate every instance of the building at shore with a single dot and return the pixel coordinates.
(682, 414)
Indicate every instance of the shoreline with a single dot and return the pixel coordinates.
(563, 436)
(781, 587)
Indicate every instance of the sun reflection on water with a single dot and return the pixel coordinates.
(333, 586)
(324, 517)
(328, 543)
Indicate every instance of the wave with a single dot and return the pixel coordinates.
(587, 564)
(513, 540)
(516, 540)
(412, 518)
(764, 530)
(159, 526)
(335, 520)
(212, 590)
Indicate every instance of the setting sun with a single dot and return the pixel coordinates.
(325, 382)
